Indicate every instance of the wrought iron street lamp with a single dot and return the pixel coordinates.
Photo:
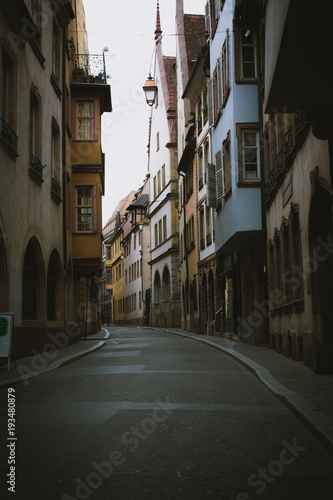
(150, 90)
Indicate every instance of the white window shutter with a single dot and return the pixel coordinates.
(207, 19)
(211, 185)
(217, 9)
(228, 60)
(219, 175)
(210, 101)
(220, 84)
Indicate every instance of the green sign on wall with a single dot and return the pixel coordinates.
(6, 329)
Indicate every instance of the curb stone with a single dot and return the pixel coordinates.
(56, 364)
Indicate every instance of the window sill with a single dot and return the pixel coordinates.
(250, 81)
(250, 184)
(84, 233)
(55, 85)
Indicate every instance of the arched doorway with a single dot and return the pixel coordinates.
(33, 289)
(166, 288)
(321, 279)
(54, 288)
(157, 288)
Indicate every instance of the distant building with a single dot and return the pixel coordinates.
(163, 206)
(193, 142)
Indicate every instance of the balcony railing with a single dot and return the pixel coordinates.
(55, 187)
(88, 68)
(36, 165)
(8, 134)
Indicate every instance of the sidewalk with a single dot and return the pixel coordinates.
(308, 395)
(29, 367)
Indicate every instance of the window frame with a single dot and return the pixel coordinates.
(239, 77)
(92, 118)
(242, 128)
(76, 187)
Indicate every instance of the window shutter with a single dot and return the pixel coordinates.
(211, 185)
(219, 175)
(217, 8)
(207, 19)
(210, 101)
(228, 60)
(220, 83)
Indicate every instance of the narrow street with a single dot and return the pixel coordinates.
(151, 416)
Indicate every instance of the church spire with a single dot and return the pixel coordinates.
(158, 31)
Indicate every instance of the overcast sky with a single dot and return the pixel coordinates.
(127, 28)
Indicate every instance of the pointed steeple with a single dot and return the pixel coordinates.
(158, 30)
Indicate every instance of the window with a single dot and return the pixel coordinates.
(225, 70)
(189, 235)
(200, 169)
(85, 208)
(296, 253)
(245, 55)
(164, 228)
(8, 101)
(202, 227)
(160, 231)
(56, 51)
(36, 15)
(206, 158)
(159, 181)
(163, 176)
(156, 236)
(209, 217)
(155, 187)
(55, 151)
(216, 98)
(85, 121)
(212, 14)
(108, 277)
(248, 153)
(248, 54)
(157, 141)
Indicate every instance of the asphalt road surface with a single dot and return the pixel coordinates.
(152, 416)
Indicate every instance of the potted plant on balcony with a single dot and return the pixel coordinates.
(100, 77)
(78, 74)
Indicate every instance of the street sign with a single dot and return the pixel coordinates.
(6, 335)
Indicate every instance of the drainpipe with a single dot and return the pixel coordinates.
(64, 170)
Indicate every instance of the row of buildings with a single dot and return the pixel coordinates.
(230, 233)
(53, 93)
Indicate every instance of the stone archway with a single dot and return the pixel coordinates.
(33, 286)
(321, 279)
